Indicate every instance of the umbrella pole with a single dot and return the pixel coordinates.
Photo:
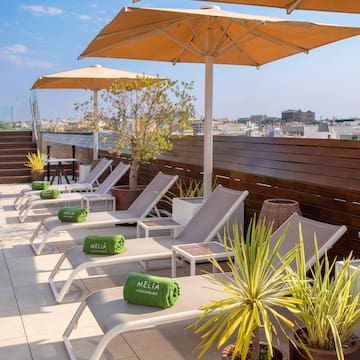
(208, 137)
(96, 125)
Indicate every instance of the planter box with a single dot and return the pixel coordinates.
(184, 208)
(355, 264)
(124, 197)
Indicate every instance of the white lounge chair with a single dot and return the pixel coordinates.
(139, 209)
(202, 228)
(115, 316)
(86, 185)
(100, 194)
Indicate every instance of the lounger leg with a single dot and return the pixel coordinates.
(37, 249)
(52, 276)
(103, 343)
(101, 346)
(25, 202)
(72, 325)
(19, 203)
(24, 211)
(59, 295)
(20, 198)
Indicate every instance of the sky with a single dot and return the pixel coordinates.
(41, 37)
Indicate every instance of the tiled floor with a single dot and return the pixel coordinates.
(32, 323)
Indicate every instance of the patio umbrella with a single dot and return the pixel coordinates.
(209, 36)
(349, 6)
(93, 78)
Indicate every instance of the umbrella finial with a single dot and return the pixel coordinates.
(96, 66)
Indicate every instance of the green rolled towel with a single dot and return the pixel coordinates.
(40, 185)
(72, 214)
(104, 244)
(50, 194)
(151, 290)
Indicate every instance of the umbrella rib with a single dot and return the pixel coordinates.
(222, 36)
(187, 45)
(196, 35)
(132, 35)
(278, 41)
(293, 6)
(234, 42)
(147, 29)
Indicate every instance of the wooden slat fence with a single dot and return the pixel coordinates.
(322, 175)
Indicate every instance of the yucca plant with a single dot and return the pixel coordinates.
(254, 292)
(36, 161)
(329, 310)
(192, 188)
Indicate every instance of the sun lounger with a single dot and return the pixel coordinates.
(115, 316)
(139, 209)
(202, 228)
(86, 185)
(100, 194)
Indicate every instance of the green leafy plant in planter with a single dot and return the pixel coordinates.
(36, 161)
(328, 310)
(191, 188)
(254, 293)
(145, 119)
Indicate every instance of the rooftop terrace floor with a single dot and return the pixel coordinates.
(32, 324)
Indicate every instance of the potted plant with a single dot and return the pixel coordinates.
(328, 311)
(186, 200)
(36, 161)
(254, 294)
(141, 121)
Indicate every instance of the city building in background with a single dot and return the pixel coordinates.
(307, 117)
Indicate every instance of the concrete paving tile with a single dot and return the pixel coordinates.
(45, 322)
(15, 234)
(50, 322)
(54, 349)
(8, 303)
(11, 327)
(77, 291)
(17, 250)
(47, 350)
(31, 270)
(15, 349)
(39, 295)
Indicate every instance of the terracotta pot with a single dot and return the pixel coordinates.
(228, 351)
(350, 353)
(37, 175)
(124, 196)
(278, 210)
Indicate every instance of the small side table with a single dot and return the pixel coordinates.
(157, 224)
(196, 252)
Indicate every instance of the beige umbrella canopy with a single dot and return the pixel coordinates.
(350, 6)
(93, 78)
(209, 36)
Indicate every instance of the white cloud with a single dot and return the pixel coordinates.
(38, 64)
(40, 10)
(84, 17)
(16, 48)
(15, 55)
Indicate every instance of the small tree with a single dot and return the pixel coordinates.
(144, 116)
